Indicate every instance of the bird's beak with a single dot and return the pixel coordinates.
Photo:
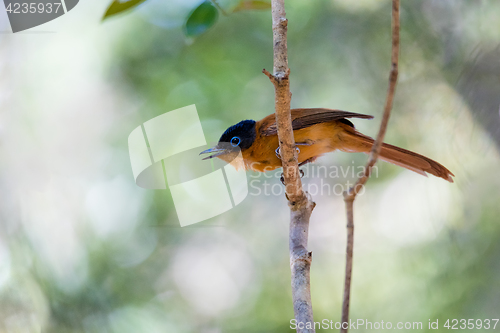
(215, 151)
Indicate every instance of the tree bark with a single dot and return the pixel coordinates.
(299, 202)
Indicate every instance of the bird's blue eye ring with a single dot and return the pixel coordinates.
(235, 141)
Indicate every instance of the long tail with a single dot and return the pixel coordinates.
(356, 142)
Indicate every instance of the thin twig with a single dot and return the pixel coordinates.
(351, 193)
(300, 203)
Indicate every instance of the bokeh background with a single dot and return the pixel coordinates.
(83, 249)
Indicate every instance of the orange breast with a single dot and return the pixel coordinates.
(321, 138)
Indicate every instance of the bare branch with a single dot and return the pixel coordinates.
(351, 193)
(393, 78)
(281, 82)
(300, 263)
(300, 203)
(269, 75)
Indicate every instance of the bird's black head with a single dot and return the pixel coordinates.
(241, 135)
(237, 137)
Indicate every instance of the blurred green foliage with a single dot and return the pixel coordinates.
(118, 7)
(202, 18)
(231, 273)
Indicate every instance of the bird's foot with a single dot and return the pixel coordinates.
(278, 155)
(277, 151)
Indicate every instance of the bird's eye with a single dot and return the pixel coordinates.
(235, 141)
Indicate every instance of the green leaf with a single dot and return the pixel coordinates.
(201, 19)
(252, 5)
(117, 7)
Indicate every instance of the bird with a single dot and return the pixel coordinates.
(316, 131)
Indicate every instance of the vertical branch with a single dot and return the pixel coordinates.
(350, 194)
(348, 263)
(300, 203)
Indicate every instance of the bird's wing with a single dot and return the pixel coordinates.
(302, 118)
